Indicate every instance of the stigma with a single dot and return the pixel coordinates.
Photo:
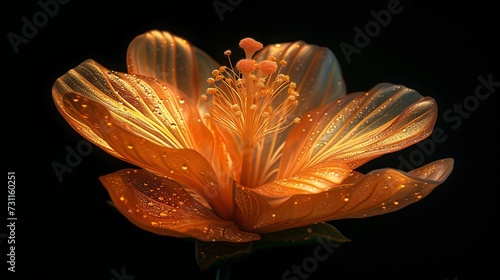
(253, 99)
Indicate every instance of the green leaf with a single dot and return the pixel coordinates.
(209, 254)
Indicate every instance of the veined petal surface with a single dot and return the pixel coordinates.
(172, 59)
(185, 166)
(316, 72)
(359, 127)
(162, 206)
(358, 196)
(145, 106)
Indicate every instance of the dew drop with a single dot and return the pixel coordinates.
(184, 167)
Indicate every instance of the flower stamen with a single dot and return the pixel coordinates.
(250, 100)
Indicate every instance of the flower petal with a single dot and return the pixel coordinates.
(162, 206)
(155, 111)
(185, 166)
(314, 69)
(171, 59)
(319, 79)
(315, 179)
(359, 127)
(359, 196)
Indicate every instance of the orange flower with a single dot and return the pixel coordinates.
(272, 144)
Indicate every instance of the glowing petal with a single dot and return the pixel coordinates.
(162, 206)
(317, 74)
(186, 166)
(143, 105)
(359, 196)
(359, 127)
(315, 70)
(171, 59)
(313, 180)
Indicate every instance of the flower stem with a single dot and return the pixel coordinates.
(223, 273)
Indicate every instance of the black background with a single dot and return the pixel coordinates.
(67, 230)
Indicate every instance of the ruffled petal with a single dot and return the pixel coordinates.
(359, 127)
(171, 59)
(319, 79)
(162, 206)
(185, 166)
(358, 196)
(145, 106)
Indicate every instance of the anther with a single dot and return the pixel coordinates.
(211, 91)
(250, 46)
(268, 67)
(246, 66)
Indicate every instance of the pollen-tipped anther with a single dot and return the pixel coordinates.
(246, 66)
(268, 67)
(250, 46)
